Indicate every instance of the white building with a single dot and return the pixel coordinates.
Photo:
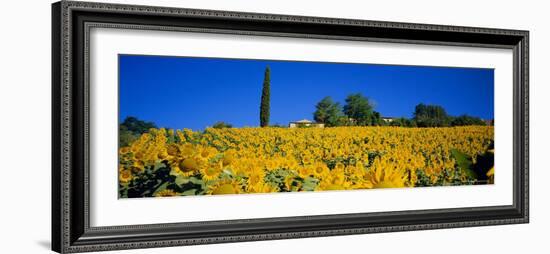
(305, 123)
(388, 119)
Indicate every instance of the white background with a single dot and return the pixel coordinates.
(107, 210)
(25, 141)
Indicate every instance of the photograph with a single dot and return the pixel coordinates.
(206, 125)
(193, 126)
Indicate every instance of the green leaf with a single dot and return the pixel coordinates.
(196, 180)
(161, 188)
(464, 162)
(309, 184)
(159, 165)
(180, 180)
(190, 192)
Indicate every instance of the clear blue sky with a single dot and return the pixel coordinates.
(185, 92)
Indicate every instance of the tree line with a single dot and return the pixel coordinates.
(359, 111)
(131, 128)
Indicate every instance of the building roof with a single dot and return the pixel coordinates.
(303, 121)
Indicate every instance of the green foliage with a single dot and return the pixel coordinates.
(188, 186)
(462, 174)
(376, 119)
(359, 109)
(148, 182)
(431, 116)
(484, 163)
(464, 163)
(328, 112)
(464, 120)
(265, 101)
(276, 125)
(137, 126)
(402, 122)
(435, 116)
(309, 184)
(125, 136)
(345, 121)
(221, 125)
(447, 177)
(466, 171)
(153, 180)
(277, 178)
(131, 128)
(475, 172)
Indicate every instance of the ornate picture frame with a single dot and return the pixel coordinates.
(71, 24)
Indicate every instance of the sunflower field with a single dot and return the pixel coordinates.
(262, 160)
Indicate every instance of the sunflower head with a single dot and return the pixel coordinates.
(165, 193)
(225, 187)
(187, 150)
(172, 150)
(207, 152)
(211, 171)
(124, 150)
(185, 167)
(305, 171)
(189, 165)
(125, 176)
(228, 157)
(339, 166)
(138, 166)
(383, 175)
(320, 170)
(255, 177)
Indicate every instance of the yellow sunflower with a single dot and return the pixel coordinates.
(225, 187)
(255, 177)
(166, 193)
(491, 172)
(228, 157)
(339, 166)
(261, 188)
(305, 171)
(211, 171)
(125, 176)
(185, 167)
(207, 152)
(491, 175)
(124, 150)
(172, 150)
(335, 180)
(289, 180)
(383, 175)
(138, 166)
(189, 165)
(187, 150)
(320, 170)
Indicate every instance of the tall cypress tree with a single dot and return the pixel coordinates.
(264, 106)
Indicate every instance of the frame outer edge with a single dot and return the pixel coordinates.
(526, 132)
(56, 128)
(177, 11)
(66, 121)
(62, 98)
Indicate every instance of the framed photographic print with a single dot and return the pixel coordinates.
(181, 126)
